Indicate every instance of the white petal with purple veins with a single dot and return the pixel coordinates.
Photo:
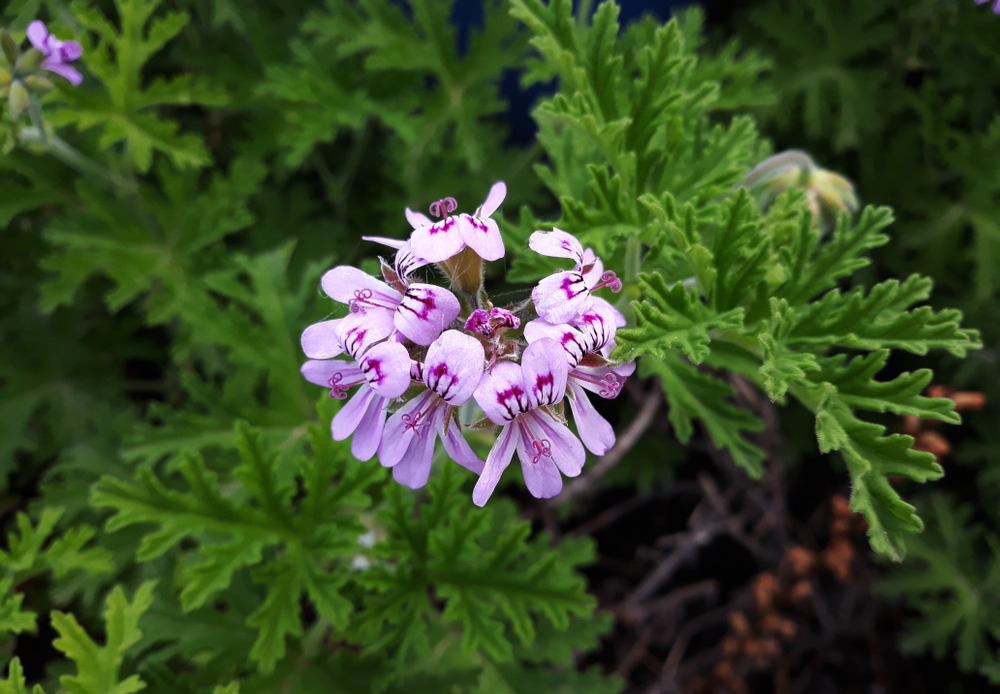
(496, 462)
(454, 366)
(493, 199)
(573, 342)
(407, 261)
(594, 430)
(415, 467)
(556, 244)
(597, 324)
(483, 235)
(559, 298)
(501, 394)
(320, 340)
(385, 241)
(438, 241)
(359, 331)
(386, 367)
(425, 312)
(541, 475)
(544, 369)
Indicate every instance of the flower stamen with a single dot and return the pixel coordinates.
(611, 281)
(443, 207)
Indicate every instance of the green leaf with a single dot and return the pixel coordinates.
(694, 394)
(15, 682)
(11, 616)
(98, 666)
(782, 364)
(124, 111)
(871, 458)
(672, 317)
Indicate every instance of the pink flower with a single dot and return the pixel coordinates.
(996, 5)
(383, 372)
(438, 241)
(451, 371)
(421, 314)
(57, 53)
(561, 297)
(587, 343)
(516, 397)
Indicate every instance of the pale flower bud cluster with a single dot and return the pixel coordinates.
(417, 352)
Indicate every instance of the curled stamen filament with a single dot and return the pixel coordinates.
(443, 207)
(416, 421)
(338, 390)
(543, 448)
(611, 281)
(362, 298)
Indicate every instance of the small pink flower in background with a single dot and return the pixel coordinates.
(996, 5)
(57, 53)
(516, 397)
(451, 371)
(560, 297)
(438, 241)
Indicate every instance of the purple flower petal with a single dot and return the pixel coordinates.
(544, 369)
(595, 432)
(349, 285)
(482, 235)
(559, 298)
(37, 33)
(403, 426)
(70, 51)
(386, 366)
(501, 394)
(567, 451)
(351, 414)
(619, 316)
(493, 199)
(597, 324)
(603, 380)
(454, 365)
(320, 341)
(66, 71)
(368, 434)
(458, 448)
(541, 476)
(425, 312)
(557, 244)
(439, 241)
(415, 467)
(496, 462)
(407, 261)
(321, 372)
(417, 219)
(385, 241)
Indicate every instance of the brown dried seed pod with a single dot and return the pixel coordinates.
(801, 592)
(765, 588)
(738, 624)
(968, 400)
(800, 560)
(932, 442)
(837, 558)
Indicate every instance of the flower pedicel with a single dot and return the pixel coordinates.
(417, 352)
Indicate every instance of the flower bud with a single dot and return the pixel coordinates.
(827, 193)
(9, 47)
(38, 84)
(30, 61)
(20, 101)
(5, 77)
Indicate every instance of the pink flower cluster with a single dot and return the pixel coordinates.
(417, 353)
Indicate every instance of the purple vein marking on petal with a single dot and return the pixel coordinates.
(427, 301)
(568, 282)
(515, 393)
(444, 226)
(435, 375)
(544, 386)
(371, 365)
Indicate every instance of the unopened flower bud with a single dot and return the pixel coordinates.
(30, 61)
(827, 193)
(5, 77)
(9, 47)
(20, 101)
